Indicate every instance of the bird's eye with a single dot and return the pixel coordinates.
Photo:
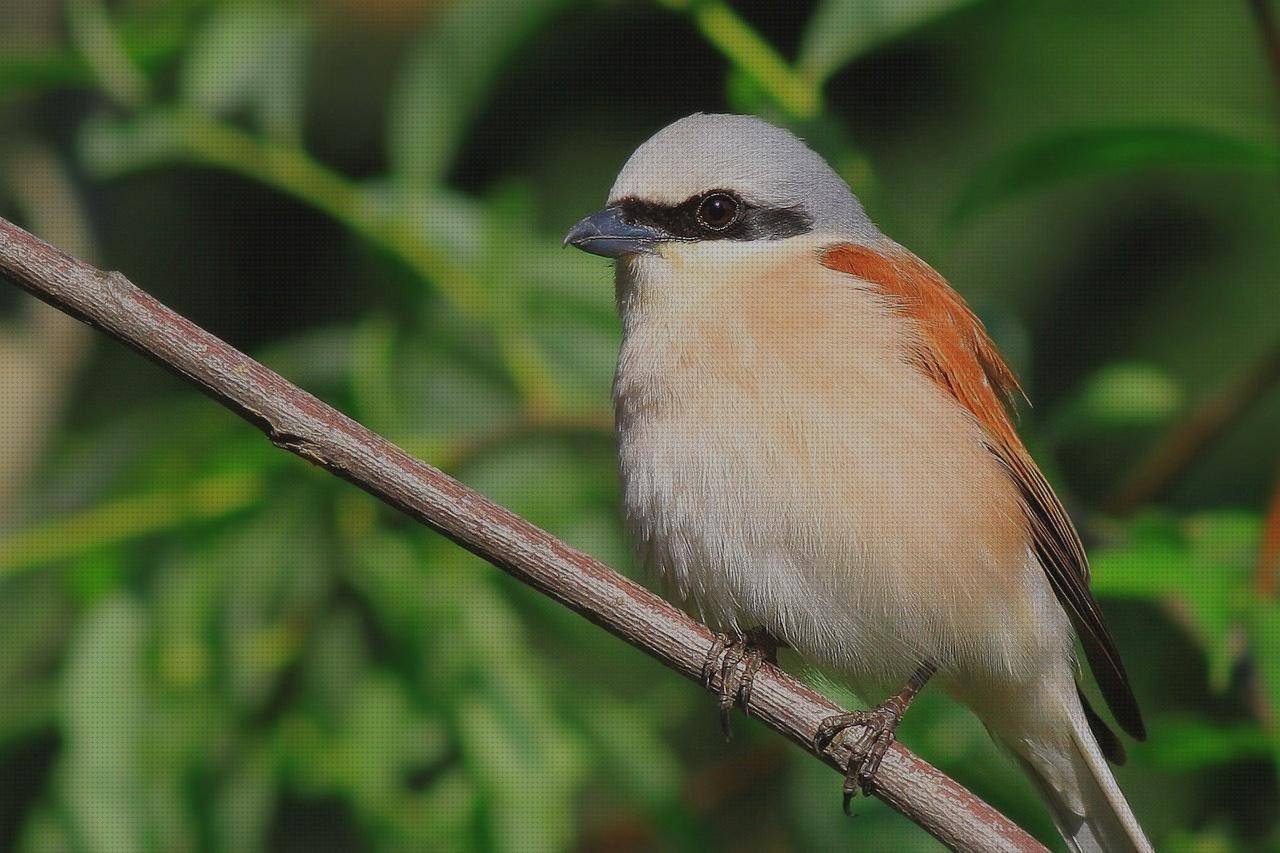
(718, 211)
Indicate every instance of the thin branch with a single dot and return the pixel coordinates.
(1268, 566)
(1208, 420)
(300, 423)
(1264, 15)
(1269, 549)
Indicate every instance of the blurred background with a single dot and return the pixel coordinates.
(207, 645)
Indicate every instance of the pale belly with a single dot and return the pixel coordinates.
(856, 534)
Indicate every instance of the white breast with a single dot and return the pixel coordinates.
(784, 466)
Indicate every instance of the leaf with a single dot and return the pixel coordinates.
(104, 711)
(1128, 394)
(1154, 560)
(279, 574)
(30, 75)
(1202, 562)
(251, 54)
(842, 30)
(95, 35)
(151, 33)
(371, 369)
(125, 518)
(449, 76)
(1056, 157)
(483, 673)
(508, 744)
(122, 519)
(382, 738)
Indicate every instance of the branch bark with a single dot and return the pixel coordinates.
(300, 423)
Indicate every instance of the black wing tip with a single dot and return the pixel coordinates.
(1107, 740)
(1108, 671)
(1135, 726)
(1128, 716)
(1112, 679)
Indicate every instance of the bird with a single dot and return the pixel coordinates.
(817, 451)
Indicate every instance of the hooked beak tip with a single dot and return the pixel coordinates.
(610, 235)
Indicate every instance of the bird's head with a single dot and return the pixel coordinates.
(720, 178)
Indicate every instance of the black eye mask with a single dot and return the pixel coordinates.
(752, 222)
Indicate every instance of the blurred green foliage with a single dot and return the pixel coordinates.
(204, 644)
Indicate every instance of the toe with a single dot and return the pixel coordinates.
(718, 647)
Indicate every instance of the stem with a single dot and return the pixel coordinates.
(1265, 17)
(1174, 453)
(797, 96)
(1269, 549)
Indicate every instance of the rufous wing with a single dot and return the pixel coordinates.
(954, 350)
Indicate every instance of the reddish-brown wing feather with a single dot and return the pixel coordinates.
(953, 349)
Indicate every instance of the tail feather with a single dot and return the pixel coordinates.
(1071, 774)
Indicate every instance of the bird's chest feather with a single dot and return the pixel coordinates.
(727, 437)
(782, 463)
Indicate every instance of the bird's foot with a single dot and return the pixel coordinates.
(731, 666)
(878, 728)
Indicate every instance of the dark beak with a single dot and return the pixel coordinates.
(607, 233)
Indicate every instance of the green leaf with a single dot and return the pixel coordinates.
(251, 54)
(449, 76)
(126, 518)
(152, 35)
(104, 725)
(1119, 396)
(382, 737)
(839, 31)
(1128, 394)
(1203, 562)
(95, 35)
(432, 233)
(1154, 560)
(35, 74)
(372, 371)
(279, 574)
(508, 742)
(1059, 156)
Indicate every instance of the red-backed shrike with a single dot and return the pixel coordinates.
(815, 448)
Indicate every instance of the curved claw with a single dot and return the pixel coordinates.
(736, 661)
(879, 726)
(713, 655)
(731, 684)
(754, 662)
(879, 729)
(850, 791)
(829, 729)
